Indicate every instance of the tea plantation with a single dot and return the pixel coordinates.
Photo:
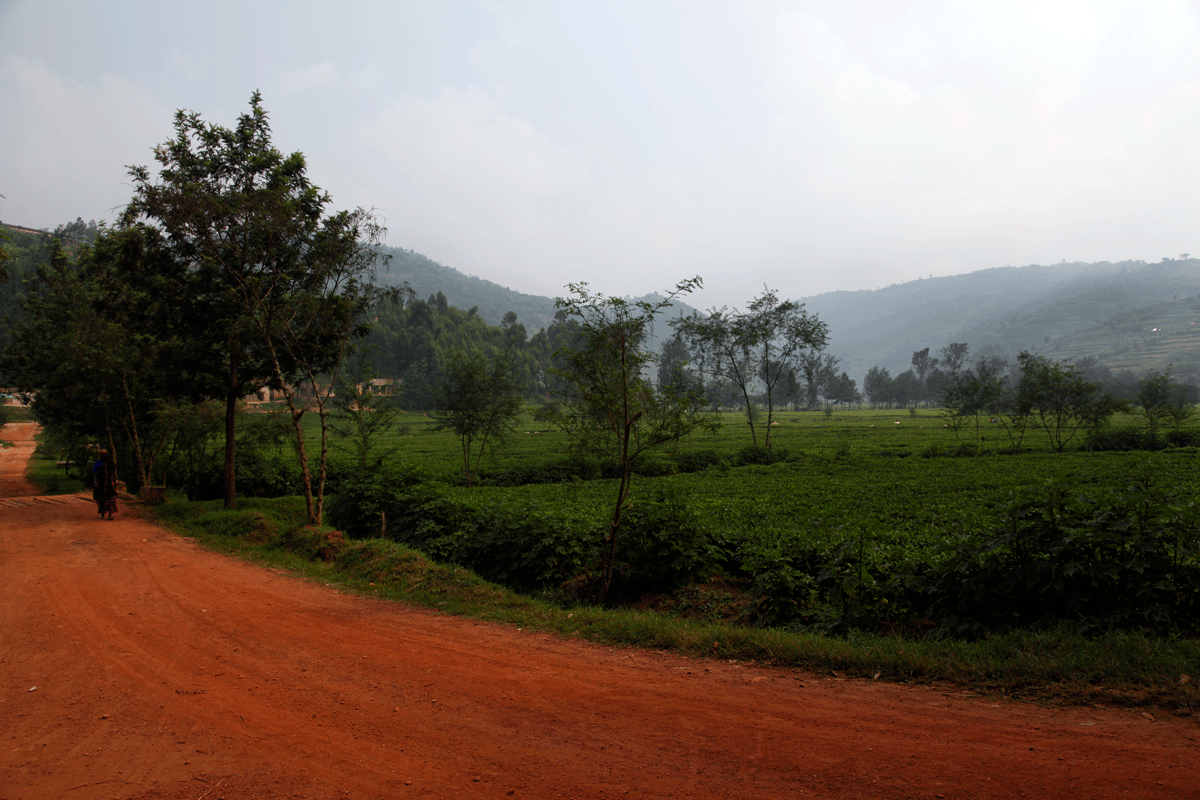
(860, 519)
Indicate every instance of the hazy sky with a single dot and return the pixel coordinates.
(811, 146)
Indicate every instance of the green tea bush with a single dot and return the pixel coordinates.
(782, 580)
(699, 460)
(519, 545)
(664, 546)
(758, 455)
(575, 467)
(1101, 560)
(258, 473)
(1098, 556)
(1183, 438)
(1121, 439)
(854, 582)
(654, 465)
(369, 501)
(1128, 439)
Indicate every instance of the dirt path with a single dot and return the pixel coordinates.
(135, 665)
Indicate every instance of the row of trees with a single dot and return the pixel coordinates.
(763, 358)
(1055, 397)
(921, 384)
(227, 273)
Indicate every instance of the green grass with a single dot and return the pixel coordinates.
(50, 479)
(861, 433)
(1127, 669)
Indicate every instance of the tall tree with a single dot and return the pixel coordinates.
(674, 368)
(89, 351)
(607, 402)
(954, 356)
(820, 371)
(878, 386)
(274, 281)
(1060, 400)
(479, 398)
(843, 390)
(5, 257)
(1157, 396)
(923, 367)
(756, 348)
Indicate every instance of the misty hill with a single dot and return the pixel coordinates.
(1064, 311)
(1105, 310)
(493, 301)
(1149, 338)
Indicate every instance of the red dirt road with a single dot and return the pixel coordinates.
(135, 665)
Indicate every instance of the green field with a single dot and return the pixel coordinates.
(895, 475)
(853, 518)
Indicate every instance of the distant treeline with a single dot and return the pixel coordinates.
(926, 382)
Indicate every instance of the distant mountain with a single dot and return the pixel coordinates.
(493, 301)
(1149, 338)
(1064, 311)
(1104, 310)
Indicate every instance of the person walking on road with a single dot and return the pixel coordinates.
(104, 484)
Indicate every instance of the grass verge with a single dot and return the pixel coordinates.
(1117, 668)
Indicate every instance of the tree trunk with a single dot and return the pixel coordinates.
(231, 400)
(323, 461)
(305, 474)
(139, 459)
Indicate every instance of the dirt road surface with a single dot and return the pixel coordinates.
(133, 664)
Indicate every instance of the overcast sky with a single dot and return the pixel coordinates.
(810, 146)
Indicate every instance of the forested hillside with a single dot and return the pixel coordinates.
(490, 300)
(1072, 310)
(1054, 309)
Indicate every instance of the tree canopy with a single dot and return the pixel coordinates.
(276, 283)
(760, 347)
(606, 401)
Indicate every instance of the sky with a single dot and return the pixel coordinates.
(805, 146)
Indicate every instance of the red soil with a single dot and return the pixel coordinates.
(133, 664)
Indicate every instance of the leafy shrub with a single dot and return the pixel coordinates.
(961, 450)
(1127, 439)
(369, 502)
(520, 546)
(698, 461)
(1122, 440)
(1130, 559)
(757, 455)
(259, 473)
(575, 467)
(854, 582)
(1105, 556)
(654, 465)
(782, 581)
(1183, 438)
(663, 546)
